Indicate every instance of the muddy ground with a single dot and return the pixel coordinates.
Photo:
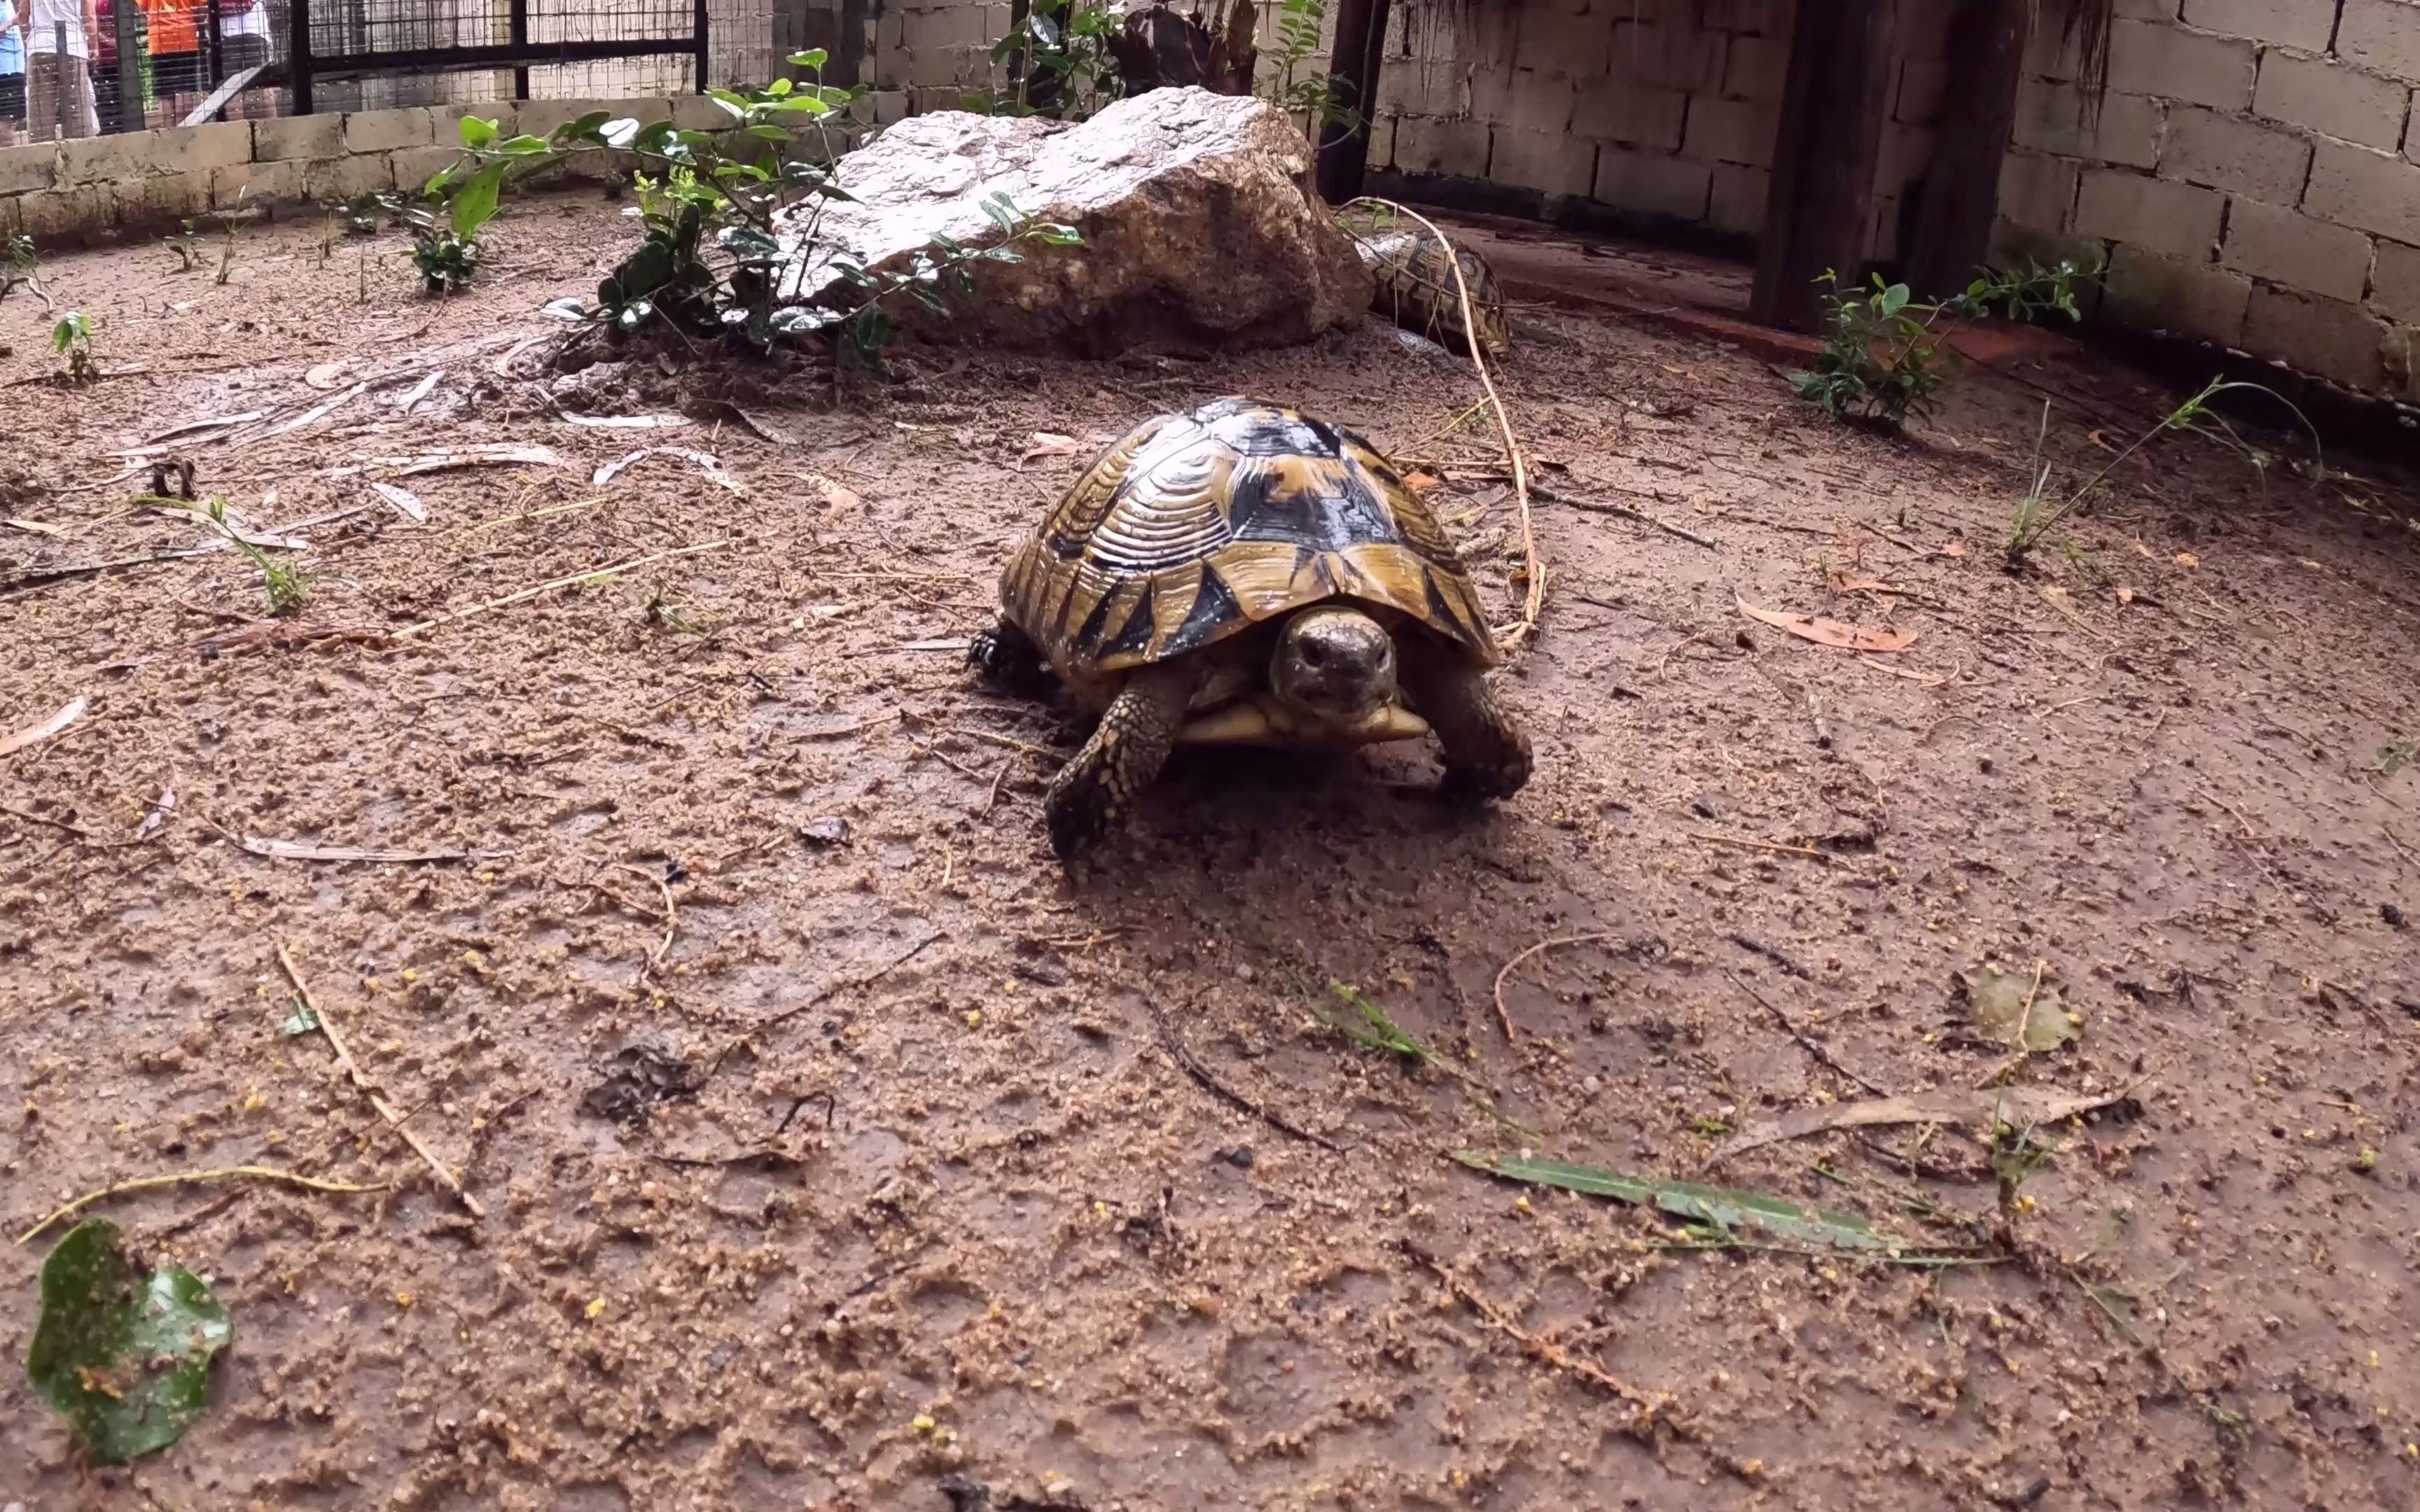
(927, 1194)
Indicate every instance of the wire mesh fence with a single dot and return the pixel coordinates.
(132, 64)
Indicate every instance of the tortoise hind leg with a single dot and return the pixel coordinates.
(1010, 661)
(1486, 755)
(1095, 791)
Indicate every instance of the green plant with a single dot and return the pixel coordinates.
(1883, 353)
(2038, 512)
(279, 579)
(1292, 84)
(1067, 71)
(713, 208)
(183, 245)
(17, 264)
(71, 338)
(460, 199)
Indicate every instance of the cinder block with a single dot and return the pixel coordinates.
(2329, 96)
(1635, 115)
(1668, 57)
(698, 113)
(256, 183)
(159, 201)
(1568, 36)
(2141, 288)
(890, 106)
(2328, 337)
(2395, 283)
(362, 173)
(2294, 23)
(1747, 18)
(1739, 196)
(2273, 243)
(2150, 59)
(1756, 68)
(2154, 214)
(445, 121)
(2401, 351)
(290, 137)
(2230, 152)
(78, 210)
(2050, 118)
(384, 131)
(950, 27)
(2383, 34)
(1655, 184)
(1731, 131)
(1558, 164)
(2371, 191)
(1490, 88)
(540, 117)
(2037, 191)
(1455, 149)
(200, 148)
(414, 166)
(98, 160)
(30, 165)
(1542, 104)
(1921, 83)
(9, 224)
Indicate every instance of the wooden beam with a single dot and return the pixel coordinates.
(1961, 197)
(1825, 154)
(1353, 73)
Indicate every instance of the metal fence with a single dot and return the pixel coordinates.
(170, 62)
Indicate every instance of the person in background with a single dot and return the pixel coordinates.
(12, 76)
(104, 73)
(176, 45)
(243, 43)
(58, 83)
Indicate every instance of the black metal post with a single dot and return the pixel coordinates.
(298, 51)
(1353, 70)
(130, 65)
(69, 81)
(517, 23)
(703, 51)
(218, 51)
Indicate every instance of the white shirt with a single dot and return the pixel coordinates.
(43, 20)
(253, 23)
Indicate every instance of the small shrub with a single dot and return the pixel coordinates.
(71, 338)
(1068, 72)
(1883, 354)
(281, 582)
(1295, 86)
(459, 200)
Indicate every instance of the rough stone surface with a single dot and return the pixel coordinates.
(27, 166)
(2366, 190)
(1196, 227)
(2328, 337)
(2294, 23)
(2395, 286)
(2329, 96)
(2230, 152)
(2270, 241)
(298, 137)
(2180, 220)
(2165, 294)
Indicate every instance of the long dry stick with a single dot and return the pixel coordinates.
(1501, 1015)
(597, 576)
(1745, 843)
(1534, 571)
(145, 1183)
(351, 1068)
(1822, 1057)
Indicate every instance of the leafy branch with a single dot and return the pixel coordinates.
(1882, 358)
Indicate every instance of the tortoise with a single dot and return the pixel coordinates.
(1415, 288)
(1247, 575)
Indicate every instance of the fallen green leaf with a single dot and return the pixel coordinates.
(1739, 1214)
(124, 1357)
(302, 1020)
(1375, 1031)
(2017, 1010)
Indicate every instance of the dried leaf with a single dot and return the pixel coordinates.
(1047, 443)
(34, 735)
(712, 468)
(2186, 559)
(417, 391)
(408, 503)
(301, 850)
(2017, 1010)
(1420, 480)
(2125, 594)
(1856, 582)
(125, 1358)
(465, 456)
(627, 422)
(1830, 632)
(35, 526)
(327, 375)
(1733, 1212)
(2019, 1105)
(157, 814)
(1953, 548)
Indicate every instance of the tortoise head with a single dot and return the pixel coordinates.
(1334, 665)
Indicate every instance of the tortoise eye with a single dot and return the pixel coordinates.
(1314, 654)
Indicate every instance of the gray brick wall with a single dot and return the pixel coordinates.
(2254, 179)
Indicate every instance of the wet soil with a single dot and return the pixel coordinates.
(876, 1173)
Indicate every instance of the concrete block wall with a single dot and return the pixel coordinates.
(2253, 179)
(141, 181)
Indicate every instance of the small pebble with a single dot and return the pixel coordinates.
(830, 831)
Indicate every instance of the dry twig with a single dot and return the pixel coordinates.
(1822, 1057)
(385, 1109)
(1534, 571)
(1744, 842)
(144, 1183)
(672, 918)
(597, 576)
(1504, 1017)
(1192, 1067)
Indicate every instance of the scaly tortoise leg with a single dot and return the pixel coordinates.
(1095, 791)
(1486, 755)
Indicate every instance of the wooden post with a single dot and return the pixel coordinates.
(1353, 73)
(1961, 185)
(1825, 154)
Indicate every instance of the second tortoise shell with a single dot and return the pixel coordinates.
(1194, 528)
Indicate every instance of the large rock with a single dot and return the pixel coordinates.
(1197, 229)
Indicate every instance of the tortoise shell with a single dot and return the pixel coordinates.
(1194, 528)
(1415, 288)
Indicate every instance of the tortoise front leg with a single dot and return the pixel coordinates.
(1095, 791)
(1486, 755)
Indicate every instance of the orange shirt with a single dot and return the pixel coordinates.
(173, 25)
